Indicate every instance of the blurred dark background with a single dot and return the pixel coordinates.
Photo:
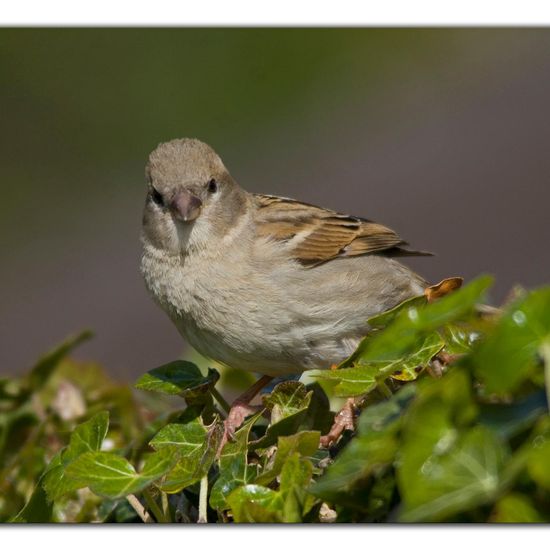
(442, 134)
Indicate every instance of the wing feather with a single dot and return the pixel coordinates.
(316, 235)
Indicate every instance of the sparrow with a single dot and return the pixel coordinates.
(259, 282)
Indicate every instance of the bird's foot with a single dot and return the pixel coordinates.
(344, 420)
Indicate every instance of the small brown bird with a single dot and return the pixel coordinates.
(258, 282)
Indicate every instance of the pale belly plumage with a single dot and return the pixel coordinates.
(262, 321)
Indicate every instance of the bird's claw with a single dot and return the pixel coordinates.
(344, 420)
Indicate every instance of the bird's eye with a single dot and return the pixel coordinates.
(212, 186)
(157, 197)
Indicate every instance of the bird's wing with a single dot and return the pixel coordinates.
(315, 235)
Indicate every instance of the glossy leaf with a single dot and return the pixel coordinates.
(516, 508)
(375, 446)
(446, 465)
(288, 404)
(254, 503)
(539, 459)
(459, 339)
(88, 436)
(38, 509)
(381, 416)
(318, 416)
(364, 377)
(417, 322)
(196, 446)
(112, 476)
(178, 378)
(295, 479)
(465, 476)
(508, 420)
(235, 470)
(303, 443)
(544, 351)
(509, 355)
(385, 318)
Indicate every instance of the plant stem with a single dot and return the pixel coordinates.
(219, 398)
(203, 500)
(165, 505)
(154, 507)
(138, 507)
(386, 392)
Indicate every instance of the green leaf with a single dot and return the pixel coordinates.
(186, 438)
(411, 365)
(415, 323)
(112, 476)
(509, 355)
(353, 381)
(385, 318)
(508, 420)
(178, 378)
(432, 424)
(375, 446)
(459, 339)
(37, 510)
(364, 377)
(286, 399)
(539, 459)
(446, 466)
(235, 470)
(318, 417)
(460, 475)
(288, 404)
(383, 415)
(303, 443)
(196, 446)
(254, 503)
(516, 508)
(87, 436)
(295, 479)
(544, 351)
(41, 372)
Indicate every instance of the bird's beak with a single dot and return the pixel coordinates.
(185, 206)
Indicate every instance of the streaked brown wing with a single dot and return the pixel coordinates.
(316, 235)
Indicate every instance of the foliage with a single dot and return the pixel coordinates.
(453, 427)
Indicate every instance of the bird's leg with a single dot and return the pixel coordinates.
(344, 420)
(241, 408)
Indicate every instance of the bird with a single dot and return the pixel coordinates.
(258, 282)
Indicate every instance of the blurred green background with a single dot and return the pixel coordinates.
(442, 134)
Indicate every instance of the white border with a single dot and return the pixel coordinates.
(275, 13)
(233, 537)
(280, 13)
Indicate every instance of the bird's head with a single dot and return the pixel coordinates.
(191, 197)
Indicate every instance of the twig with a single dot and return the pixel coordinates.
(140, 510)
(165, 505)
(203, 500)
(386, 392)
(154, 507)
(219, 398)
